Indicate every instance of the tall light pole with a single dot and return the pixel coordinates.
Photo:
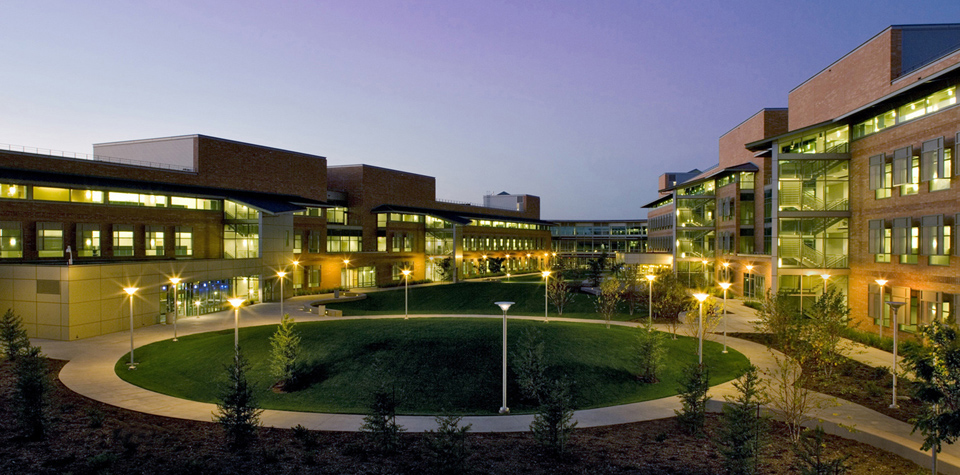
(701, 298)
(895, 306)
(750, 279)
(346, 274)
(725, 285)
(726, 271)
(881, 283)
(176, 305)
(546, 287)
(826, 277)
(236, 302)
(280, 276)
(406, 293)
(504, 306)
(650, 279)
(706, 281)
(130, 291)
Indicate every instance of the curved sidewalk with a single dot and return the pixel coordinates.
(90, 372)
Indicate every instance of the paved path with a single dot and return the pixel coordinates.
(90, 372)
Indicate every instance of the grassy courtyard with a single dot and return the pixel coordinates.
(435, 364)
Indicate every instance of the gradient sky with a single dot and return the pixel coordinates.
(583, 103)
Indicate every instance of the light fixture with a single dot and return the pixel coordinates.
(881, 283)
(725, 286)
(504, 306)
(700, 297)
(406, 293)
(546, 287)
(280, 275)
(176, 305)
(236, 302)
(130, 291)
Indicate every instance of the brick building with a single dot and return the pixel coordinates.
(853, 184)
(225, 217)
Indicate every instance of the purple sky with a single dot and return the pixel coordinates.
(582, 103)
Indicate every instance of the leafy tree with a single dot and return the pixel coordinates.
(13, 337)
(495, 264)
(712, 316)
(633, 295)
(596, 268)
(811, 458)
(380, 425)
(530, 365)
(788, 396)
(936, 365)
(670, 299)
(824, 329)
(608, 299)
(237, 409)
(743, 431)
(560, 293)
(285, 349)
(781, 319)
(553, 423)
(650, 353)
(693, 398)
(446, 269)
(30, 391)
(446, 447)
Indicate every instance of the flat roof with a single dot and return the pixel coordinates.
(458, 217)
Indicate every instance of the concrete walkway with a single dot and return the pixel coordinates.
(90, 372)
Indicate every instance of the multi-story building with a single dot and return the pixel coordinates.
(622, 241)
(858, 186)
(225, 217)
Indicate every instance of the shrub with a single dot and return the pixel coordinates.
(743, 431)
(552, 424)
(305, 436)
(30, 392)
(693, 397)
(13, 338)
(380, 425)
(529, 364)
(237, 409)
(650, 353)
(608, 300)
(284, 351)
(446, 447)
(95, 418)
(812, 461)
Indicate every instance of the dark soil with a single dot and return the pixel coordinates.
(86, 436)
(856, 382)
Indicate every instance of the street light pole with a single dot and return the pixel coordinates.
(650, 279)
(546, 287)
(236, 303)
(895, 306)
(280, 276)
(826, 277)
(346, 275)
(406, 293)
(176, 305)
(881, 283)
(130, 291)
(701, 298)
(504, 306)
(750, 280)
(725, 285)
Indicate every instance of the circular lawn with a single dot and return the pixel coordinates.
(435, 365)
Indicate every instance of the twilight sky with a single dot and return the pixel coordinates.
(583, 103)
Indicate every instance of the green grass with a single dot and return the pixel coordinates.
(472, 298)
(436, 364)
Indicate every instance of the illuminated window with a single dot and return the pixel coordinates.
(154, 240)
(122, 240)
(239, 211)
(183, 241)
(11, 240)
(45, 193)
(50, 239)
(88, 240)
(137, 199)
(338, 215)
(86, 196)
(13, 191)
(241, 241)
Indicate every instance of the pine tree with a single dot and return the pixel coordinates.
(381, 424)
(13, 337)
(285, 349)
(650, 353)
(743, 432)
(693, 397)
(552, 425)
(237, 411)
(30, 391)
(530, 365)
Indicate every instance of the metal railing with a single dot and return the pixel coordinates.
(98, 158)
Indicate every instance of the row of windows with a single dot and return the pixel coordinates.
(727, 209)
(608, 245)
(74, 195)
(934, 102)
(925, 306)
(485, 243)
(834, 140)
(660, 244)
(335, 215)
(50, 240)
(635, 230)
(705, 188)
(934, 165)
(907, 238)
(664, 221)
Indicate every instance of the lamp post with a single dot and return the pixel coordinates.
(725, 285)
(176, 305)
(406, 293)
(701, 298)
(197, 304)
(705, 279)
(726, 271)
(546, 287)
(650, 279)
(895, 306)
(130, 291)
(504, 306)
(236, 302)
(881, 283)
(826, 277)
(750, 279)
(280, 276)
(346, 275)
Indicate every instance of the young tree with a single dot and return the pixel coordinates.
(650, 353)
(237, 409)
(596, 268)
(936, 365)
(712, 317)
(530, 365)
(381, 424)
(284, 351)
(446, 447)
(812, 461)
(608, 299)
(495, 264)
(30, 391)
(824, 329)
(446, 269)
(693, 397)
(13, 337)
(670, 299)
(788, 396)
(743, 431)
(633, 295)
(553, 423)
(781, 319)
(560, 293)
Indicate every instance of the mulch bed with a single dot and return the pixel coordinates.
(856, 382)
(86, 436)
